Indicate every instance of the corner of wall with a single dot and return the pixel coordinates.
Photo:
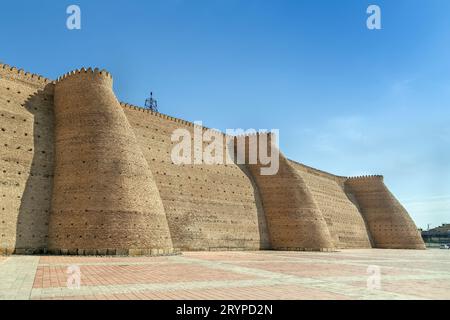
(293, 218)
(390, 225)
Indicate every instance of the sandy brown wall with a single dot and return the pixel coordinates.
(26, 160)
(208, 207)
(82, 174)
(294, 220)
(389, 223)
(345, 223)
(105, 199)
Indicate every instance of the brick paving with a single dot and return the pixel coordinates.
(232, 275)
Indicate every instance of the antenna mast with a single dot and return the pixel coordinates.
(151, 104)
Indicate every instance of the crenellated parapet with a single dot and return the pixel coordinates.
(157, 114)
(86, 174)
(364, 178)
(94, 76)
(165, 117)
(105, 200)
(256, 147)
(15, 74)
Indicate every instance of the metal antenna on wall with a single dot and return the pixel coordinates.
(151, 103)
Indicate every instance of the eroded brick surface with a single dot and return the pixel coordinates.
(82, 174)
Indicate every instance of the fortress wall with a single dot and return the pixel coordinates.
(81, 174)
(209, 207)
(346, 224)
(105, 199)
(389, 223)
(294, 219)
(26, 160)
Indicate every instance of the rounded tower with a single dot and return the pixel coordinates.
(294, 220)
(389, 223)
(105, 200)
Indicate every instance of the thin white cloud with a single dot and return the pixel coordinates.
(359, 145)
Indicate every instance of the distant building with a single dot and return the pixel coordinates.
(437, 235)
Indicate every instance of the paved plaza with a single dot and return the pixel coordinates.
(264, 275)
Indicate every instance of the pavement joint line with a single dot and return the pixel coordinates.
(16, 272)
(356, 292)
(300, 260)
(119, 289)
(389, 278)
(304, 281)
(103, 264)
(19, 270)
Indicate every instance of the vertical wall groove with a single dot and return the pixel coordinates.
(294, 220)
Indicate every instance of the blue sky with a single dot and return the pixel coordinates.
(346, 99)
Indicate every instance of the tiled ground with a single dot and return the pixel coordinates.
(233, 275)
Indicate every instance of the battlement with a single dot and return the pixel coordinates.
(365, 178)
(81, 75)
(318, 172)
(255, 134)
(156, 114)
(15, 74)
(165, 117)
(85, 174)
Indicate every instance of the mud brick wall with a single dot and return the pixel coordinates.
(208, 207)
(105, 199)
(294, 219)
(345, 223)
(83, 174)
(388, 222)
(26, 160)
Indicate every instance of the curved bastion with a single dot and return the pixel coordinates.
(83, 174)
(105, 199)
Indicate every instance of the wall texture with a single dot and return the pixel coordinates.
(105, 199)
(208, 207)
(346, 225)
(83, 174)
(26, 160)
(388, 222)
(294, 219)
